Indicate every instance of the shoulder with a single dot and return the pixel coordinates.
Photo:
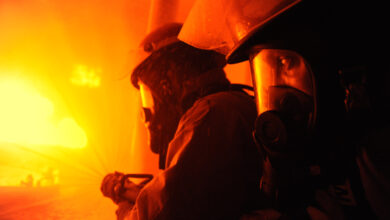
(218, 109)
(214, 122)
(227, 99)
(223, 104)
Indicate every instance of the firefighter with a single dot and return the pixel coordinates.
(321, 86)
(200, 124)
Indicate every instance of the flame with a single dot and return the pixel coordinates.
(84, 76)
(26, 119)
(72, 53)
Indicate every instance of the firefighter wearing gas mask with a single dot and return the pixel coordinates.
(320, 86)
(200, 125)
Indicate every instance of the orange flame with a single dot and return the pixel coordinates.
(26, 119)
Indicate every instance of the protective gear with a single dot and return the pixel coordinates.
(170, 79)
(278, 69)
(285, 91)
(224, 25)
(286, 106)
(148, 109)
(285, 97)
(331, 40)
(147, 101)
(155, 40)
(161, 37)
(157, 119)
(213, 167)
(115, 186)
(111, 186)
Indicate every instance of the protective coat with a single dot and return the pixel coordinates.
(213, 166)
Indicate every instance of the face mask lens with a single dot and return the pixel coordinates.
(146, 98)
(287, 66)
(272, 68)
(146, 115)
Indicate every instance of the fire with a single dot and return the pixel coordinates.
(84, 76)
(26, 118)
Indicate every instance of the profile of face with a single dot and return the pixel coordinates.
(160, 120)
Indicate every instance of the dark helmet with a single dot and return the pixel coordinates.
(171, 77)
(154, 41)
(165, 59)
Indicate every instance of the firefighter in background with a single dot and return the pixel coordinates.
(321, 82)
(200, 124)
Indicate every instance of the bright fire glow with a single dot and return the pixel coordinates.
(70, 56)
(26, 119)
(84, 76)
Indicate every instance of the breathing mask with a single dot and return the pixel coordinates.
(285, 97)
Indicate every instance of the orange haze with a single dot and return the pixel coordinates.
(68, 113)
(66, 116)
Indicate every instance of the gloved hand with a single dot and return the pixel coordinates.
(118, 187)
(130, 191)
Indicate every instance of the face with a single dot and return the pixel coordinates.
(285, 95)
(160, 120)
(276, 74)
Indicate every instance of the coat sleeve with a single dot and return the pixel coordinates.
(212, 168)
